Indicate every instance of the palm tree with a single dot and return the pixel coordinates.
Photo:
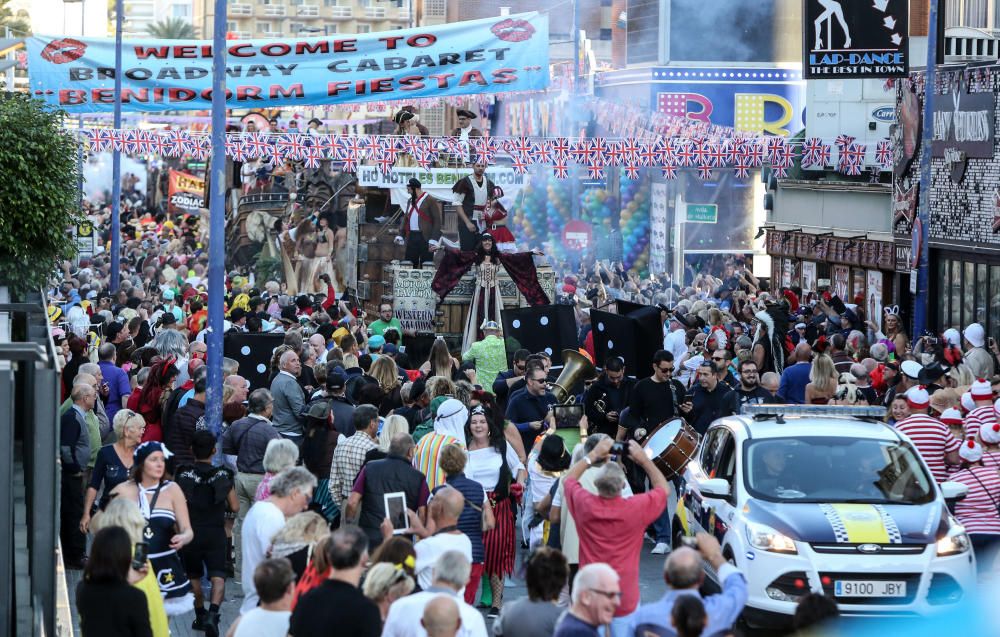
(172, 29)
(18, 23)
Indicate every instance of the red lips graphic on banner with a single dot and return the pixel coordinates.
(64, 50)
(513, 30)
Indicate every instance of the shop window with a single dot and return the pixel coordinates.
(981, 291)
(955, 285)
(994, 302)
(968, 292)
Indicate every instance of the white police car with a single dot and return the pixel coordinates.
(825, 499)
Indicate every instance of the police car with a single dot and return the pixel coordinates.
(825, 499)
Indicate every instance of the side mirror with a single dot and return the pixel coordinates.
(954, 490)
(714, 488)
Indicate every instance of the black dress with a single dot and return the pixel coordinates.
(112, 610)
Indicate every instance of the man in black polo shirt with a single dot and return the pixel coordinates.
(710, 400)
(210, 494)
(529, 409)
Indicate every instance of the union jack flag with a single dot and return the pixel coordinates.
(784, 156)
(595, 170)
(541, 152)
(704, 171)
(630, 148)
(815, 153)
(117, 138)
(684, 153)
(312, 155)
(350, 163)
(371, 145)
(235, 148)
(521, 145)
(632, 171)
(177, 143)
(615, 155)
(883, 154)
(201, 147)
(144, 142)
(716, 154)
(851, 159)
(560, 148)
(844, 141)
(129, 144)
(384, 161)
(519, 162)
(100, 140)
(158, 144)
(290, 147)
(755, 154)
(560, 169)
(354, 149)
(485, 148)
(258, 145)
(669, 170)
(649, 154)
(741, 169)
(580, 151)
(701, 153)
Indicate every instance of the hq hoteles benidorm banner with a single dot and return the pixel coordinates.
(501, 54)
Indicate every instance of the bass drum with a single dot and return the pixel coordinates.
(671, 446)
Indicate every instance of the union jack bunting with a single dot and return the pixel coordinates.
(519, 162)
(815, 153)
(290, 146)
(704, 171)
(312, 155)
(117, 139)
(129, 143)
(541, 153)
(384, 160)
(178, 143)
(669, 170)
(235, 148)
(614, 155)
(784, 156)
(201, 147)
(648, 155)
(158, 144)
(883, 154)
(595, 171)
(579, 151)
(631, 171)
(741, 169)
(354, 148)
(257, 145)
(100, 140)
(560, 169)
(851, 159)
(772, 146)
(144, 142)
(755, 154)
(560, 148)
(843, 141)
(701, 153)
(630, 149)
(716, 154)
(684, 153)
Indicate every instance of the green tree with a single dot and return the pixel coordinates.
(38, 192)
(172, 29)
(17, 22)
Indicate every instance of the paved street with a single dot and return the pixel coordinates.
(650, 584)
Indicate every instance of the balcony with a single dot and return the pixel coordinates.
(307, 11)
(272, 10)
(374, 13)
(270, 34)
(240, 10)
(403, 15)
(964, 44)
(241, 35)
(341, 13)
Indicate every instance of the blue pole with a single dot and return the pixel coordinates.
(217, 222)
(921, 302)
(116, 162)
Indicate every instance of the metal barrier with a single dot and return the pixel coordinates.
(29, 471)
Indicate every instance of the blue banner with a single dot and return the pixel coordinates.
(509, 53)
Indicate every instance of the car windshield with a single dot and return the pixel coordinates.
(835, 469)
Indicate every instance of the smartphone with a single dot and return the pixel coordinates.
(395, 510)
(140, 555)
(618, 449)
(567, 416)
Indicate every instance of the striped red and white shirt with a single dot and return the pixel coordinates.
(977, 418)
(932, 439)
(991, 459)
(977, 511)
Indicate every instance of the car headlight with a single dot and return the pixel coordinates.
(765, 538)
(955, 541)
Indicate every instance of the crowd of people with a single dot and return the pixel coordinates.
(360, 492)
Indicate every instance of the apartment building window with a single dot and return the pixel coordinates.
(364, 4)
(364, 28)
(232, 26)
(265, 27)
(435, 8)
(295, 27)
(331, 3)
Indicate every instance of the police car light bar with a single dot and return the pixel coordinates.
(830, 411)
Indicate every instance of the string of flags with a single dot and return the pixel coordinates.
(704, 154)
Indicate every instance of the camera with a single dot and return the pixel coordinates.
(140, 556)
(618, 449)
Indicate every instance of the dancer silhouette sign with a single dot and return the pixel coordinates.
(855, 39)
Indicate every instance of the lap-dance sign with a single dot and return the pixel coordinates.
(492, 55)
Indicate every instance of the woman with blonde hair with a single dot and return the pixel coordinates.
(296, 542)
(122, 513)
(384, 370)
(822, 381)
(114, 461)
(439, 386)
(385, 583)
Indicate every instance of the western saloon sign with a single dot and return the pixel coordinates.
(855, 39)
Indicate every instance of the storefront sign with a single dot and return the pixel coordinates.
(372, 177)
(873, 295)
(841, 274)
(86, 240)
(808, 276)
(963, 125)
(491, 55)
(906, 136)
(658, 228)
(903, 255)
(855, 39)
(185, 193)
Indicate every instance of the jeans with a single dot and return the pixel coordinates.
(662, 527)
(622, 626)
